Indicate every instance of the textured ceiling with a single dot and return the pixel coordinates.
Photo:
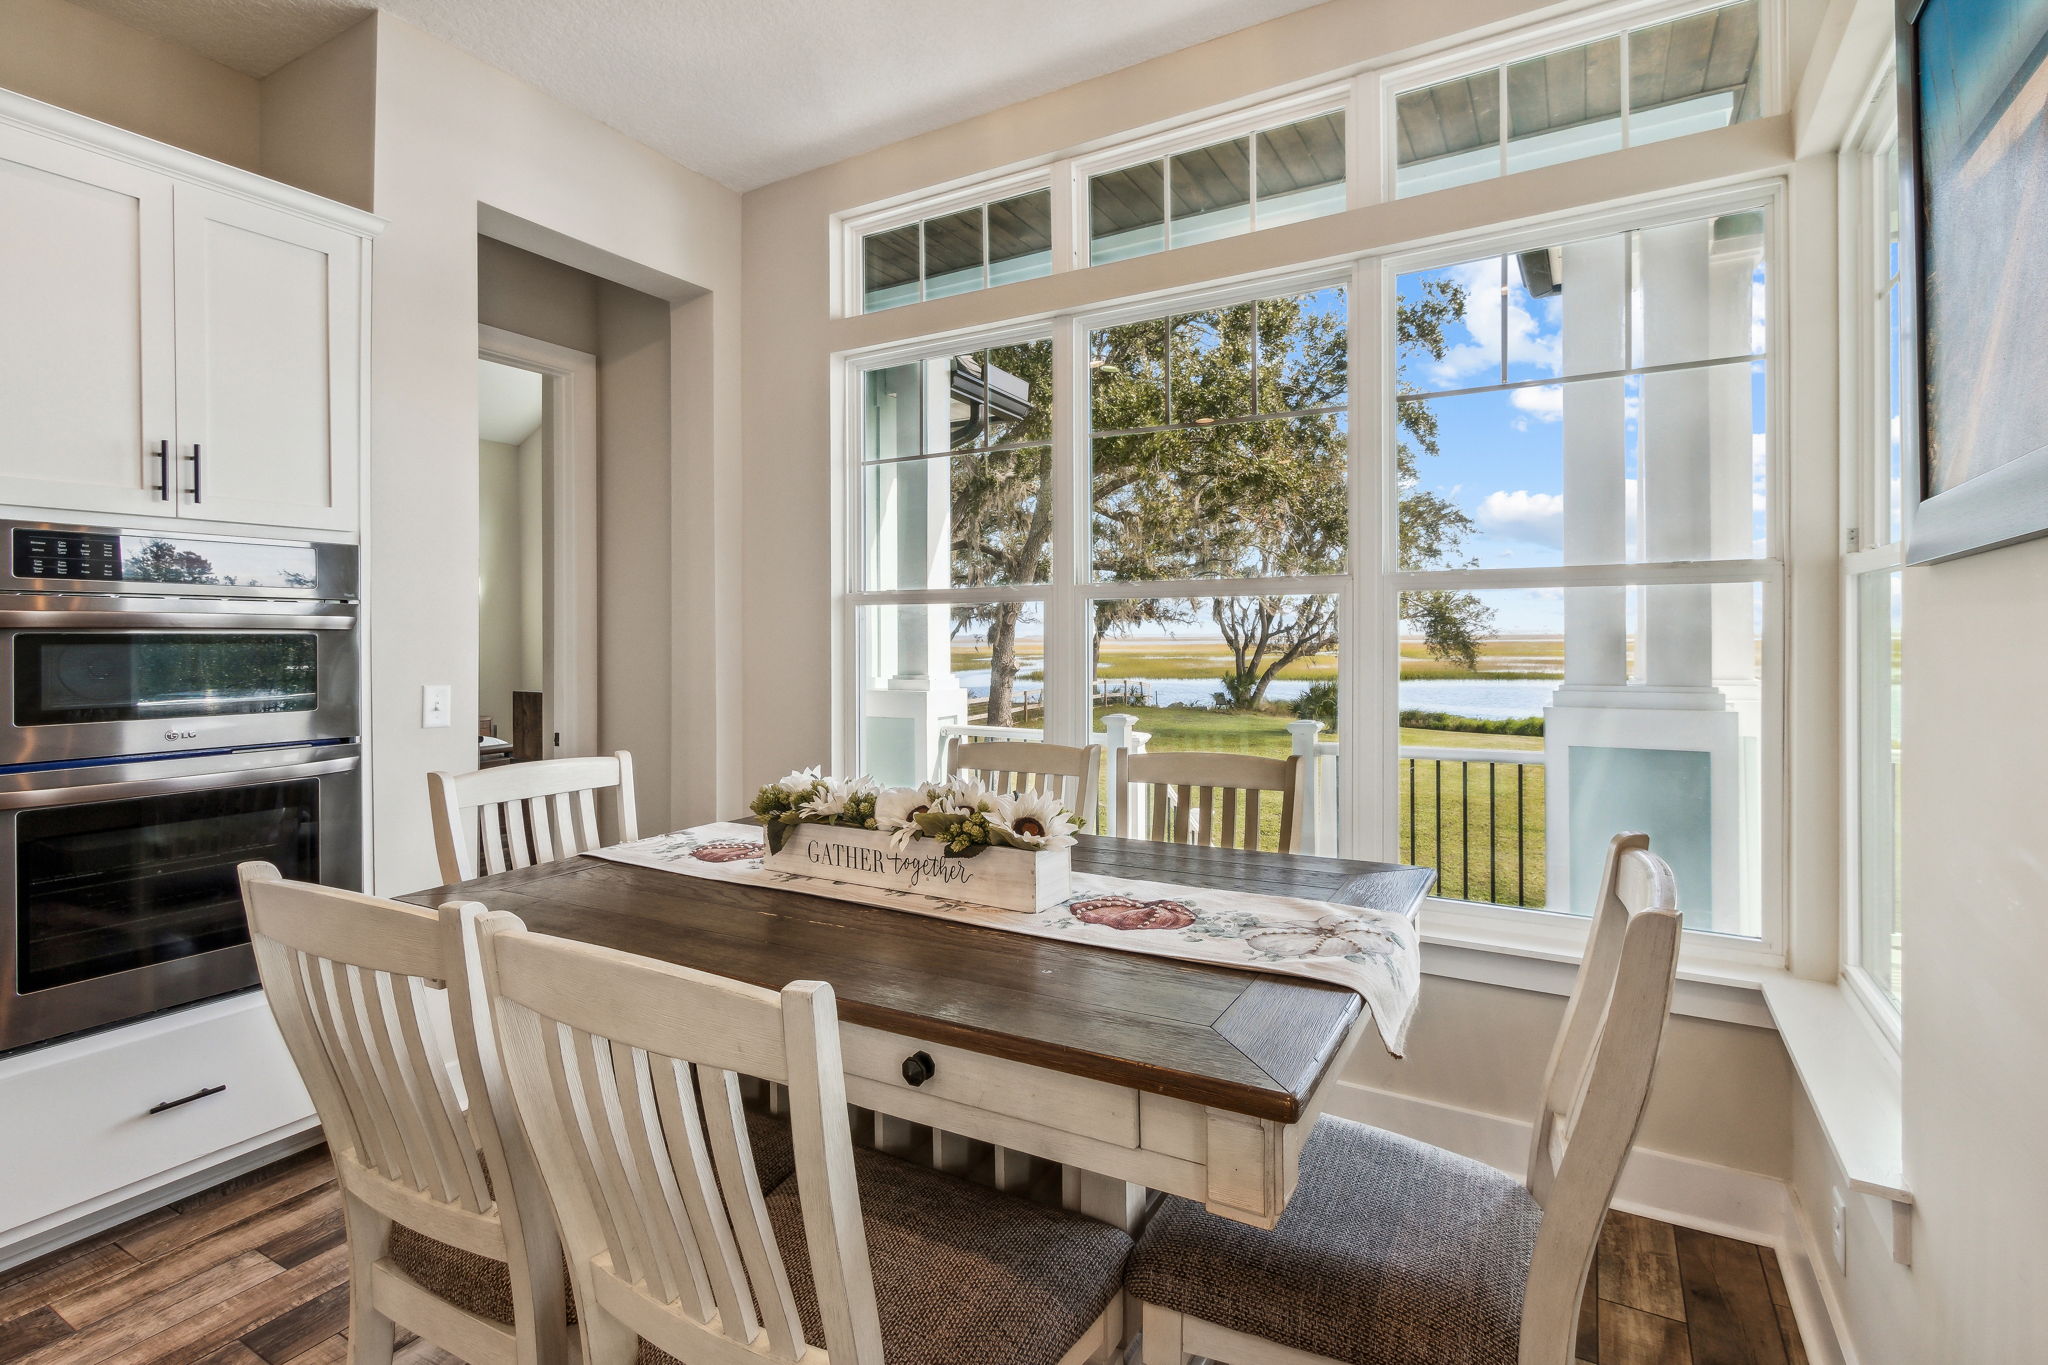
(746, 91)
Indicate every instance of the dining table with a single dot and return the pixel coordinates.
(1128, 1071)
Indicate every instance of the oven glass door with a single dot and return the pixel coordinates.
(110, 886)
(75, 677)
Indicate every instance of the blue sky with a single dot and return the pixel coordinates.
(1502, 452)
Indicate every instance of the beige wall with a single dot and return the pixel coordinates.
(85, 62)
(1722, 1093)
(636, 488)
(457, 140)
(319, 118)
(1975, 765)
(501, 583)
(535, 297)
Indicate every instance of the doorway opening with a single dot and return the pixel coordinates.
(536, 592)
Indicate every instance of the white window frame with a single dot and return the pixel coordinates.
(1539, 40)
(1556, 932)
(1868, 547)
(1334, 98)
(850, 229)
(1370, 587)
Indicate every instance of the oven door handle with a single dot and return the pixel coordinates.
(93, 792)
(168, 620)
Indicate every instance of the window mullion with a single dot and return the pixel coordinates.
(1069, 716)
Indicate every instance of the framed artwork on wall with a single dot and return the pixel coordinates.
(1973, 143)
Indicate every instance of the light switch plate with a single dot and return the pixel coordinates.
(437, 706)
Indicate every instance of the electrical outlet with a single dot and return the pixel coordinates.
(437, 706)
(1838, 1230)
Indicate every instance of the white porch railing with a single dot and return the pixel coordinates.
(1482, 843)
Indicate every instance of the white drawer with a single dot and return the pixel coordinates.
(1073, 1104)
(74, 1117)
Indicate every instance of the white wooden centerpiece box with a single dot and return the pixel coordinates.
(1004, 878)
(941, 841)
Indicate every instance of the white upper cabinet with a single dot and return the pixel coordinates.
(268, 360)
(177, 338)
(87, 389)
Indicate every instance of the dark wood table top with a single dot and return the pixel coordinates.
(1250, 1042)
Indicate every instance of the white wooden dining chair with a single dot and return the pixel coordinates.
(495, 819)
(1203, 798)
(1393, 1252)
(627, 1074)
(1073, 775)
(449, 1232)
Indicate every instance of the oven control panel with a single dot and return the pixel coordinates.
(67, 554)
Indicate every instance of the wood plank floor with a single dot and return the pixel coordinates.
(255, 1273)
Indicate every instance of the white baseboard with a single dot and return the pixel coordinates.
(1675, 1189)
(110, 1211)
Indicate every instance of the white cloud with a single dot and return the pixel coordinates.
(1530, 340)
(1537, 518)
(1545, 404)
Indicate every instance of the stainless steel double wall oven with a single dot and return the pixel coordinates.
(176, 704)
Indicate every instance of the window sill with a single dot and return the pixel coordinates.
(1851, 1074)
(1543, 955)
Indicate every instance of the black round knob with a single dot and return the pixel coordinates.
(918, 1068)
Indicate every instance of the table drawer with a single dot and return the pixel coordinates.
(74, 1117)
(1054, 1099)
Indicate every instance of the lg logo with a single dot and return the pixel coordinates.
(181, 734)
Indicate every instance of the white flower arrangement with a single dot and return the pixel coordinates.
(960, 814)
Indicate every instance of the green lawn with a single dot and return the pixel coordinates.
(1502, 657)
(1504, 836)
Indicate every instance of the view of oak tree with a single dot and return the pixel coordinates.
(1219, 451)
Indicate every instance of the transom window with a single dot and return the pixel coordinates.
(958, 252)
(1663, 80)
(1257, 180)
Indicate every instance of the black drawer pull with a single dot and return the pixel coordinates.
(918, 1068)
(195, 1095)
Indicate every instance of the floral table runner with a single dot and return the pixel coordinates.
(1373, 952)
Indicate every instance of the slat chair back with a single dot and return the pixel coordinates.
(352, 981)
(627, 1074)
(1073, 775)
(496, 819)
(1597, 1084)
(1209, 799)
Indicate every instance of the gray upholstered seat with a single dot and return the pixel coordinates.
(1391, 1252)
(962, 1273)
(480, 1285)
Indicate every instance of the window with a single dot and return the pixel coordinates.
(955, 499)
(1255, 180)
(1565, 417)
(1871, 573)
(1207, 596)
(1656, 81)
(957, 252)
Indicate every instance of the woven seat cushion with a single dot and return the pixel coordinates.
(962, 1273)
(480, 1285)
(1391, 1252)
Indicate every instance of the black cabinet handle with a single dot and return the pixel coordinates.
(163, 470)
(194, 458)
(195, 1095)
(918, 1068)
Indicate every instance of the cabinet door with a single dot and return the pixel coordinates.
(269, 364)
(86, 347)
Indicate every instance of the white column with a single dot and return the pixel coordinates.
(1731, 433)
(1595, 459)
(1676, 463)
